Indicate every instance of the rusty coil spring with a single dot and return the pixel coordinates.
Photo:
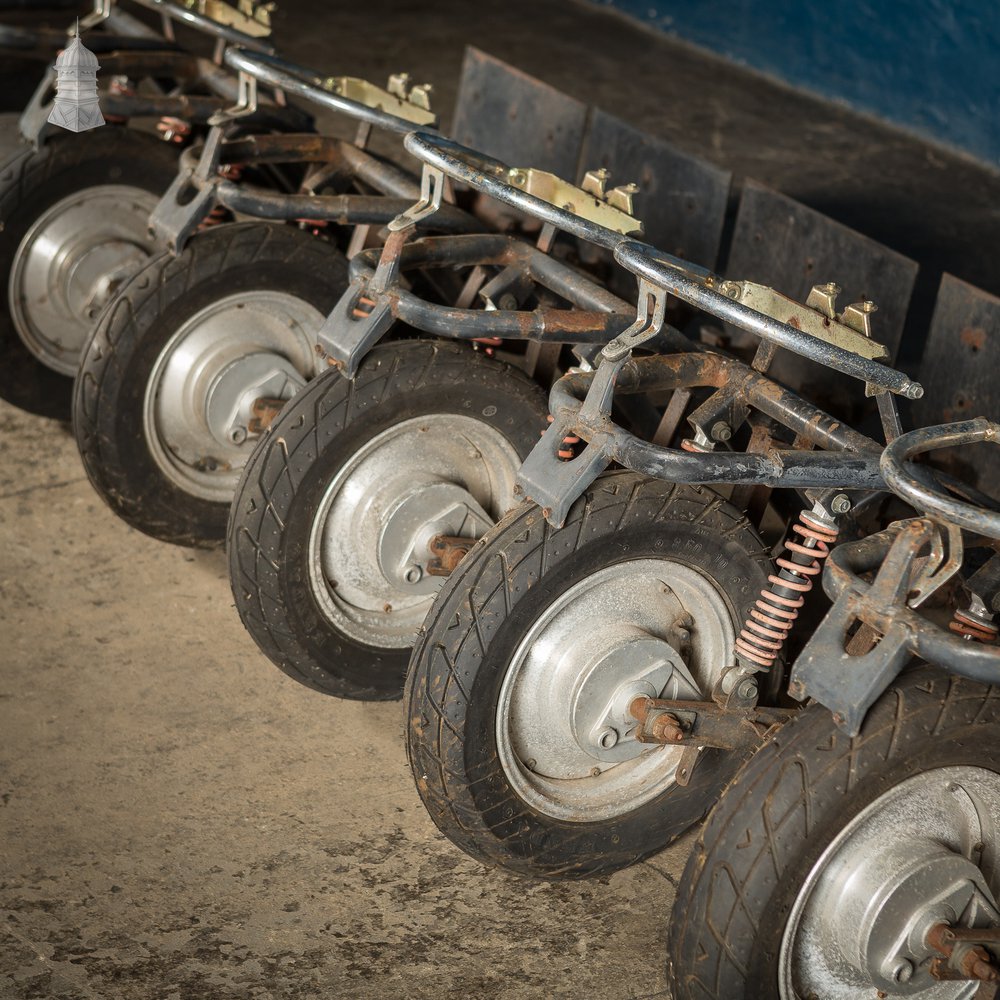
(771, 620)
(973, 628)
(173, 129)
(567, 447)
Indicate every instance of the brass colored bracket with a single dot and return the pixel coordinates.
(412, 104)
(851, 330)
(612, 209)
(249, 16)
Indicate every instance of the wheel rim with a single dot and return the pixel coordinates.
(908, 861)
(565, 736)
(198, 412)
(440, 474)
(69, 265)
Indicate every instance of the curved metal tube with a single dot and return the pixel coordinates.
(305, 83)
(483, 173)
(689, 285)
(921, 492)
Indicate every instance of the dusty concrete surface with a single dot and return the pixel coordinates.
(179, 820)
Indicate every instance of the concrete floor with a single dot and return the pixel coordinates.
(178, 820)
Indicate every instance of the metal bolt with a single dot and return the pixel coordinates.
(840, 504)
(748, 689)
(238, 435)
(595, 772)
(413, 574)
(607, 738)
(721, 431)
(903, 972)
(507, 302)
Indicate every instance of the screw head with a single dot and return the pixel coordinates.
(747, 689)
(413, 574)
(903, 972)
(840, 504)
(238, 434)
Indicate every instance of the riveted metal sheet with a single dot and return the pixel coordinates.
(959, 374)
(514, 117)
(780, 242)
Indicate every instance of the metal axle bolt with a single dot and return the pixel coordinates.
(840, 504)
(721, 431)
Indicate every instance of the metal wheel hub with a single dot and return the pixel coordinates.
(71, 262)
(564, 732)
(239, 384)
(414, 515)
(440, 474)
(909, 861)
(199, 397)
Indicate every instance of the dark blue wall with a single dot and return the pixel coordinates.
(932, 66)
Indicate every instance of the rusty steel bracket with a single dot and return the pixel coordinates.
(968, 953)
(264, 410)
(447, 551)
(704, 723)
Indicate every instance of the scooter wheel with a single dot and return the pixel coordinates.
(519, 732)
(190, 362)
(76, 219)
(826, 861)
(329, 539)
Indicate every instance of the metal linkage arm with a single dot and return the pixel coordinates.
(581, 406)
(849, 684)
(378, 297)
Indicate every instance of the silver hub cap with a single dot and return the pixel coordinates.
(912, 859)
(565, 736)
(441, 474)
(199, 398)
(69, 265)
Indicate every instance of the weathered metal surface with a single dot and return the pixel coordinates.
(506, 113)
(780, 242)
(681, 199)
(960, 365)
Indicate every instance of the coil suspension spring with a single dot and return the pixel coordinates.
(771, 620)
(567, 447)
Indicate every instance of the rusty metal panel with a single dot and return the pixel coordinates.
(959, 372)
(681, 199)
(516, 118)
(780, 242)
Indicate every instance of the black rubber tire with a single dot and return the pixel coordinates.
(481, 616)
(31, 182)
(286, 477)
(788, 803)
(133, 331)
